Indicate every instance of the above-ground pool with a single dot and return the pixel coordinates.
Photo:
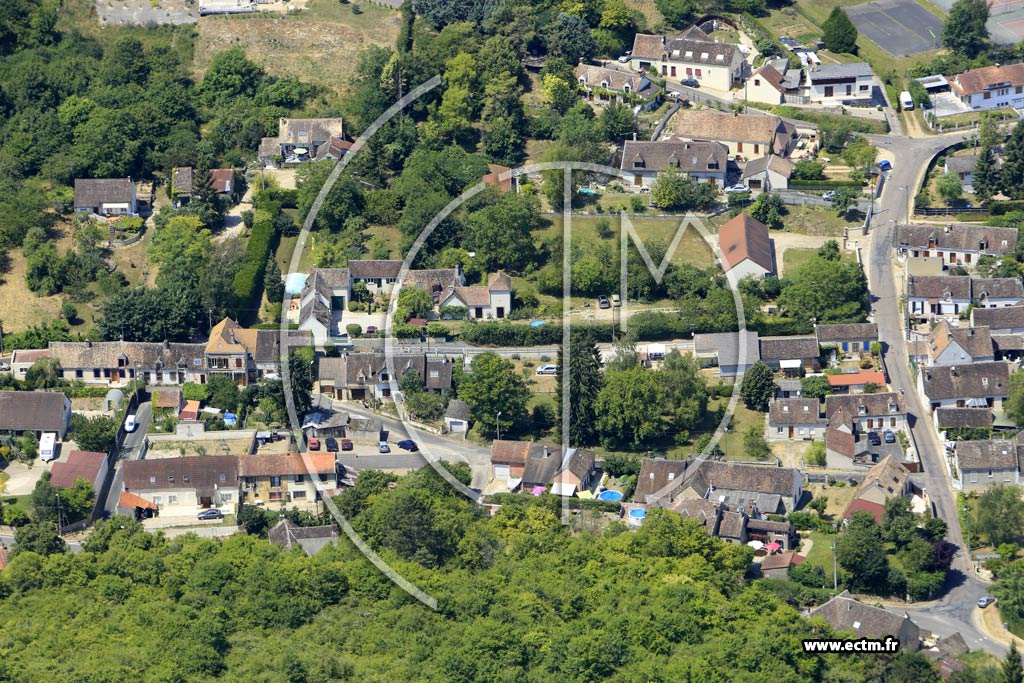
(638, 513)
(538, 323)
(610, 495)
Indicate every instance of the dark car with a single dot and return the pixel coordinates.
(690, 82)
(331, 444)
(408, 445)
(372, 329)
(889, 436)
(314, 444)
(873, 439)
(210, 514)
(346, 445)
(602, 302)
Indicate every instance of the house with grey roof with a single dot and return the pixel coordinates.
(731, 352)
(999, 321)
(492, 301)
(770, 173)
(844, 613)
(456, 417)
(974, 385)
(963, 168)
(979, 464)
(870, 412)
(312, 539)
(840, 83)
(119, 362)
(357, 376)
(791, 353)
(300, 140)
(602, 85)
(930, 296)
(954, 244)
(774, 490)
(180, 485)
(996, 292)
(655, 474)
(963, 418)
(948, 345)
(702, 162)
(795, 419)
(847, 337)
(106, 196)
(693, 54)
(34, 411)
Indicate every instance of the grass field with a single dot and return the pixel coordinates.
(742, 419)
(319, 45)
(692, 248)
(795, 257)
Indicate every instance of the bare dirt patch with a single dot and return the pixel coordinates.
(319, 45)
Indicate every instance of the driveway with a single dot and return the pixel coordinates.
(234, 226)
(23, 477)
(946, 104)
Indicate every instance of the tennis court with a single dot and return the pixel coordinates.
(900, 27)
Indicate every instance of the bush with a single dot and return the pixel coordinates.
(1001, 207)
(191, 391)
(129, 224)
(438, 330)
(248, 282)
(453, 312)
(354, 330)
(825, 184)
(407, 331)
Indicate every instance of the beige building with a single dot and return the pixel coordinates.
(691, 55)
(747, 136)
(288, 480)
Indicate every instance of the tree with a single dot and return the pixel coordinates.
(38, 537)
(273, 282)
(253, 519)
(859, 551)
(830, 251)
(585, 382)
(964, 31)
(559, 93)
(678, 13)
(1011, 174)
(94, 433)
(501, 232)
(844, 199)
(910, 667)
(839, 33)
(769, 209)
(808, 169)
(815, 386)
(616, 122)
(758, 386)
(68, 311)
(816, 454)
(671, 189)
(491, 387)
(986, 176)
(44, 500)
(629, 406)
(755, 446)
(1000, 514)
(413, 302)
(1014, 404)
(300, 369)
(826, 291)
(1011, 670)
(685, 391)
(949, 187)
(569, 38)
(224, 393)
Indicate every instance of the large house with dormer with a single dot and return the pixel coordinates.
(990, 87)
(600, 85)
(955, 245)
(365, 375)
(692, 54)
(300, 140)
(106, 197)
(702, 162)
(973, 385)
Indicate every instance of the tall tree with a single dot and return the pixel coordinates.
(758, 386)
(493, 387)
(585, 382)
(1011, 175)
(1011, 670)
(964, 31)
(569, 38)
(629, 406)
(273, 281)
(685, 391)
(986, 175)
(839, 33)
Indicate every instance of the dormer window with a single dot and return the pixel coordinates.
(785, 409)
(689, 54)
(862, 409)
(604, 84)
(703, 56)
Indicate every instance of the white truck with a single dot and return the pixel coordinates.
(906, 101)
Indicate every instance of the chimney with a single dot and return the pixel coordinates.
(546, 453)
(88, 343)
(953, 371)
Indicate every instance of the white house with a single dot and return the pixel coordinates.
(931, 296)
(795, 419)
(745, 247)
(700, 161)
(767, 173)
(956, 245)
(974, 385)
(747, 136)
(996, 292)
(106, 196)
(870, 412)
(979, 464)
(948, 345)
(693, 54)
(180, 485)
(963, 167)
(990, 87)
(600, 85)
(840, 83)
(774, 83)
(491, 302)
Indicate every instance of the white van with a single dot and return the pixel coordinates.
(48, 447)
(906, 101)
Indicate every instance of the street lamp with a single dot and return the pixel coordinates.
(497, 424)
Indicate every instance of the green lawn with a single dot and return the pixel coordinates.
(821, 551)
(814, 220)
(742, 419)
(793, 258)
(692, 249)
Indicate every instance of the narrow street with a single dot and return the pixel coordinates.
(953, 612)
(131, 449)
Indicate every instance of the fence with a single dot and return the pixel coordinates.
(949, 210)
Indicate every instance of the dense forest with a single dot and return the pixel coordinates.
(521, 598)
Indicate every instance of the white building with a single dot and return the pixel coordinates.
(990, 87)
(840, 83)
(700, 161)
(491, 302)
(693, 54)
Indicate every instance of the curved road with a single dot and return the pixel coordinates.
(953, 612)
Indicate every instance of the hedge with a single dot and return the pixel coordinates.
(782, 327)
(1006, 206)
(248, 283)
(825, 184)
(286, 199)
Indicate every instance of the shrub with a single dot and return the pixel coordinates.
(248, 281)
(407, 331)
(438, 330)
(354, 330)
(191, 391)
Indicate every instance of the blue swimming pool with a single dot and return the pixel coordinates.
(537, 323)
(610, 495)
(637, 513)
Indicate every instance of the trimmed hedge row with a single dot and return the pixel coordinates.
(248, 283)
(287, 199)
(1006, 206)
(825, 184)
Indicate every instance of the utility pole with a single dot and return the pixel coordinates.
(835, 569)
(497, 423)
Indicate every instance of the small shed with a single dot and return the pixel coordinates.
(456, 418)
(113, 400)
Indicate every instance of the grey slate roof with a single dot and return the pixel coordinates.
(996, 454)
(91, 192)
(958, 238)
(962, 164)
(655, 474)
(783, 167)
(846, 332)
(686, 50)
(364, 369)
(996, 288)
(312, 539)
(789, 348)
(689, 157)
(727, 346)
(828, 72)
(203, 473)
(41, 411)
(148, 355)
(378, 268)
(795, 411)
(540, 468)
(939, 287)
(1005, 318)
(974, 380)
(457, 409)
(1007, 342)
(866, 405)
(963, 418)
(844, 613)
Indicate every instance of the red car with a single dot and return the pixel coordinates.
(314, 444)
(346, 445)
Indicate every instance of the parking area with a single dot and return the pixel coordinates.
(900, 27)
(947, 104)
(142, 12)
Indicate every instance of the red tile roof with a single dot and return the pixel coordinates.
(80, 465)
(223, 180)
(861, 505)
(130, 501)
(743, 238)
(852, 378)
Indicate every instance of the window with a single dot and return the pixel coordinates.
(696, 72)
(689, 71)
(171, 500)
(78, 374)
(757, 82)
(757, 148)
(275, 482)
(223, 477)
(152, 480)
(106, 372)
(298, 494)
(298, 478)
(184, 477)
(226, 497)
(739, 146)
(170, 478)
(673, 71)
(990, 474)
(434, 374)
(987, 96)
(974, 477)
(156, 500)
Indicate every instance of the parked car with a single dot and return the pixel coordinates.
(210, 514)
(4, 367)
(690, 82)
(884, 165)
(985, 601)
(602, 302)
(873, 439)
(616, 300)
(314, 444)
(130, 424)
(383, 447)
(371, 329)
(346, 444)
(829, 196)
(549, 369)
(626, 56)
(408, 445)
(331, 444)
(889, 436)
(732, 189)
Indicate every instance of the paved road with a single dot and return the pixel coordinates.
(953, 612)
(131, 449)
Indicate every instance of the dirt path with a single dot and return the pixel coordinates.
(234, 226)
